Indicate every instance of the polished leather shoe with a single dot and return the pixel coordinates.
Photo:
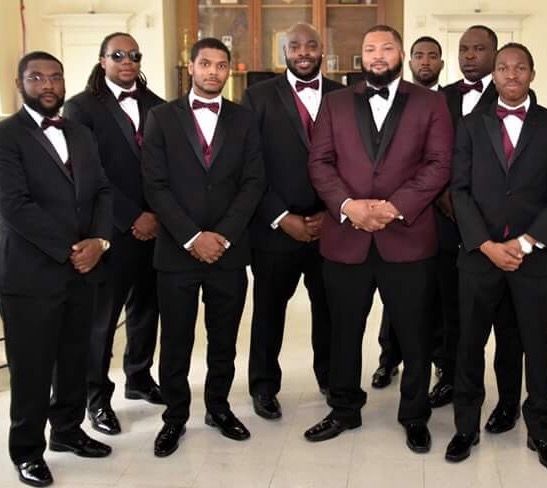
(502, 419)
(459, 448)
(539, 446)
(382, 376)
(167, 440)
(418, 438)
(83, 446)
(34, 473)
(228, 424)
(150, 395)
(105, 421)
(329, 428)
(441, 394)
(267, 407)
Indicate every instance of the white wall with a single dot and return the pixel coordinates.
(419, 20)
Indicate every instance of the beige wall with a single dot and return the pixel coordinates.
(153, 25)
(419, 20)
(10, 51)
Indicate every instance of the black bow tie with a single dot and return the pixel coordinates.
(57, 123)
(300, 85)
(213, 106)
(127, 94)
(503, 112)
(371, 91)
(466, 87)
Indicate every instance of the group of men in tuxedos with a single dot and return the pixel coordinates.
(129, 201)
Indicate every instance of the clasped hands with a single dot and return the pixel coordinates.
(86, 254)
(208, 247)
(370, 214)
(300, 228)
(508, 255)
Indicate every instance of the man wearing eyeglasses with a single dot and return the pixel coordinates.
(55, 219)
(114, 106)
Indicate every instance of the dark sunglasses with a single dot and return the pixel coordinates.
(118, 56)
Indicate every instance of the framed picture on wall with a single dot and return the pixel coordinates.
(332, 62)
(278, 55)
(356, 63)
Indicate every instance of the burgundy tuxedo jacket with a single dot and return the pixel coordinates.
(411, 167)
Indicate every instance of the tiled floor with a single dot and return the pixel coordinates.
(277, 456)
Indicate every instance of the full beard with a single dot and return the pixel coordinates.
(385, 78)
(35, 103)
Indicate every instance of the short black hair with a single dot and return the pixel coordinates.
(208, 43)
(385, 28)
(426, 39)
(33, 56)
(491, 34)
(522, 47)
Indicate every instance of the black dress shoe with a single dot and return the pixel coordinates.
(167, 440)
(34, 473)
(329, 428)
(228, 424)
(459, 448)
(382, 376)
(441, 394)
(267, 407)
(418, 438)
(540, 446)
(105, 421)
(150, 395)
(502, 419)
(83, 446)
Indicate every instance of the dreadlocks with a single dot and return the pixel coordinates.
(95, 83)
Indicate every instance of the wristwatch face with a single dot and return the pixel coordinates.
(105, 245)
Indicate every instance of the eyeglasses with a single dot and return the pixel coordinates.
(118, 56)
(39, 79)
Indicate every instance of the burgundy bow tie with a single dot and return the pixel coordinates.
(503, 112)
(300, 85)
(57, 123)
(213, 107)
(464, 87)
(382, 92)
(127, 94)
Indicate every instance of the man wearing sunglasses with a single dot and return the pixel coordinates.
(114, 106)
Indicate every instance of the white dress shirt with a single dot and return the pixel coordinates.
(470, 99)
(308, 96)
(207, 119)
(55, 136)
(512, 123)
(129, 105)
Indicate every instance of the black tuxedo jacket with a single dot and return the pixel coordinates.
(120, 154)
(488, 196)
(43, 209)
(189, 197)
(286, 148)
(449, 235)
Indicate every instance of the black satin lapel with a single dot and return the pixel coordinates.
(391, 122)
(493, 129)
(220, 131)
(75, 157)
(39, 135)
(364, 120)
(287, 98)
(528, 129)
(125, 125)
(186, 119)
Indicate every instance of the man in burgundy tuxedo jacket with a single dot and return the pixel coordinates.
(381, 155)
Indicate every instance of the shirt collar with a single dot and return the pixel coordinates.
(392, 87)
(486, 80)
(117, 89)
(192, 96)
(292, 79)
(36, 116)
(525, 104)
(435, 87)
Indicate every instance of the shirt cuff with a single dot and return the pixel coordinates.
(227, 244)
(343, 216)
(188, 244)
(539, 245)
(275, 224)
